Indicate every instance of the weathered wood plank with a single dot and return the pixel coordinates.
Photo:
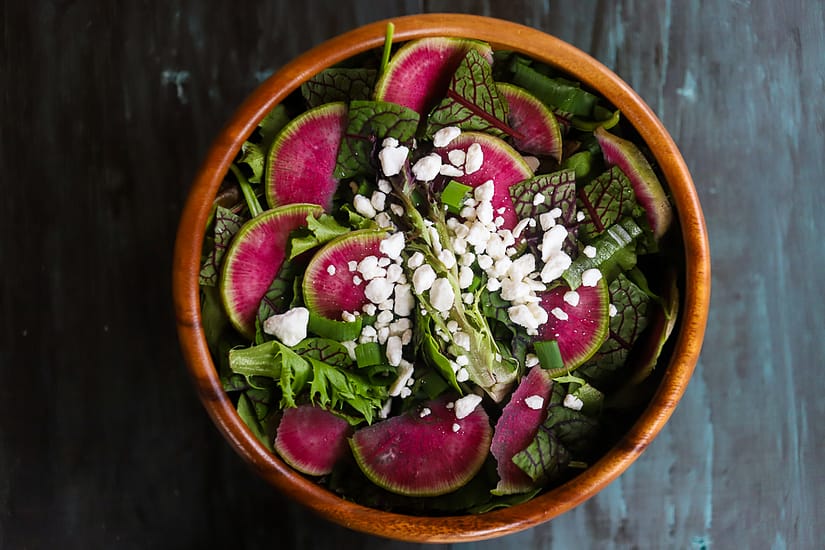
(107, 111)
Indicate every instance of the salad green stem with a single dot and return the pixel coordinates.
(385, 57)
(248, 193)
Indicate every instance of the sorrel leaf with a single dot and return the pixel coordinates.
(626, 325)
(338, 84)
(559, 191)
(323, 349)
(473, 101)
(370, 122)
(604, 201)
(281, 292)
(226, 225)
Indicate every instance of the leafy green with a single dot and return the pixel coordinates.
(252, 156)
(431, 351)
(304, 367)
(226, 225)
(278, 298)
(339, 84)
(606, 200)
(557, 93)
(369, 123)
(626, 325)
(248, 414)
(565, 434)
(558, 190)
(318, 231)
(473, 101)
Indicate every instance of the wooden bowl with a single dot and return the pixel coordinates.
(687, 338)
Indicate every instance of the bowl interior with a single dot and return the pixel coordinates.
(686, 340)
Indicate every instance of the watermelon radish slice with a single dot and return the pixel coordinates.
(311, 439)
(649, 192)
(580, 330)
(502, 164)
(330, 291)
(517, 427)
(536, 124)
(424, 452)
(254, 258)
(300, 164)
(419, 73)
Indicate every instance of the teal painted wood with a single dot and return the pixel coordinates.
(107, 112)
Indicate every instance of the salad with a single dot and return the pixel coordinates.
(436, 278)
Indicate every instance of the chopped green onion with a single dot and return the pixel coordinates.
(368, 354)
(340, 331)
(454, 195)
(614, 253)
(549, 355)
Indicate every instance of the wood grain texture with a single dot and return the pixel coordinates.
(107, 111)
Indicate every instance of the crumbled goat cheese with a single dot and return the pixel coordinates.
(462, 339)
(538, 199)
(348, 316)
(404, 300)
(457, 157)
(465, 277)
(331, 269)
(572, 297)
(444, 136)
(520, 227)
(395, 273)
(474, 158)
(462, 375)
(447, 258)
(612, 310)
(352, 265)
(589, 251)
(356, 280)
(393, 245)
(425, 412)
(392, 159)
(363, 206)
(580, 216)
(289, 327)
(522, 267)
(426, 168)
(394, 349)
(397, 209)
(384, 186)
(405, 371)
(591, 277)
(369, 268)
(415, 260)
(369, 308)
(555, 266)
(350, 346)
(456, 427)
(389, 142)
(423, 278)
(451, 171)
(466, 405)
(531, 360)
(521, 315)
(385, 409)
(385, 317)
(442, 296)
(559, 314)
(535, 402)
(484, 213)
(573, 402)
(552, 241)
(546, 221)
(378, 290)
(378, 200)
(485, 191)
(493, 285)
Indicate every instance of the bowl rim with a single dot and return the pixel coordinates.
(500, 34)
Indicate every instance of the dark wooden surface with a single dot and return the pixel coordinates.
(107, 109)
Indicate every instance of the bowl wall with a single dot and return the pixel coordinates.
(687, 339)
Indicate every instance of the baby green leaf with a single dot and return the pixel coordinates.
(226, 225)
(604, 201)
(370, 122)
(473, 101)
(338, 84)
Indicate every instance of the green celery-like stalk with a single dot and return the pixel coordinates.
(487, 366)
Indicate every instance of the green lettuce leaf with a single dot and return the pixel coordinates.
(339, 84)
(557, 93)
(473, 101)
(318, 231)
(370, 122)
